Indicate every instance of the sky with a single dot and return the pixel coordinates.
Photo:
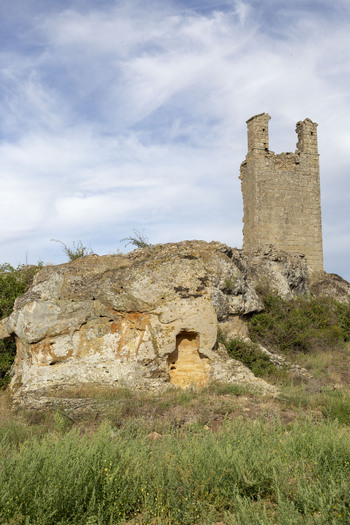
(129, 115)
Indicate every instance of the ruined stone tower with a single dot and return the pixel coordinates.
(281, 193)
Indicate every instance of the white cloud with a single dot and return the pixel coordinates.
(132, 115)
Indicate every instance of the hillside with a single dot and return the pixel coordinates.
(221, 453)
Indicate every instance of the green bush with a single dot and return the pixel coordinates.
(13, 283)
(343, 315)
(77, 250)
(251, 356)
(301, 325)
(7, 356)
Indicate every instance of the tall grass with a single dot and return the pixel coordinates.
(248, 472)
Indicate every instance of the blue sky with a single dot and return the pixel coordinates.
(122, 115)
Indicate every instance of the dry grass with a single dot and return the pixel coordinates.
(208, 407)
(90, 391)
(330, 367)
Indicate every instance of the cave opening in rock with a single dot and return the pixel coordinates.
(186, 366)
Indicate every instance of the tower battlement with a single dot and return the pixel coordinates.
(307, 136)
(258, 132)
(281, 193)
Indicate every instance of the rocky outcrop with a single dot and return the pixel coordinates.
(147, 319)
(331, 285)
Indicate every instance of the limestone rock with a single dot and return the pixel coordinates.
(286, 273)
(153, 436)
(331, 285)
(234, 327)
(147, 319)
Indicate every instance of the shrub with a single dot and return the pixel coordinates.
(251, 356)
(77, 250)
(7, 356)
(343, 315)
(302, 325)
(139, 240)
(13, 283)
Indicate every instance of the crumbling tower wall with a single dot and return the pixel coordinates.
(281, 193)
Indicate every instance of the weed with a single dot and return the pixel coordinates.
(139, 240)
(332, 404)
(77, 250)
(229, 285)
(330, 367)
(62, 421)
(227, 389)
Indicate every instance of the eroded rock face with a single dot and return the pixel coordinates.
(331, 285)
(146, 319)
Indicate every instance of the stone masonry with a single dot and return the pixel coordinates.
(281, 193)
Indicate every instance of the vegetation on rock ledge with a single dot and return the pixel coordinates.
(13, 283)
(305, 324)
(250, 355)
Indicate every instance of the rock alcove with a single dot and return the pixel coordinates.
(186, 366)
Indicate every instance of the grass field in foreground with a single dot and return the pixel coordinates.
(245, 471)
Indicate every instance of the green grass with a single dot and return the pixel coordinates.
(334, 405)
(251, 468)
(247, 472)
